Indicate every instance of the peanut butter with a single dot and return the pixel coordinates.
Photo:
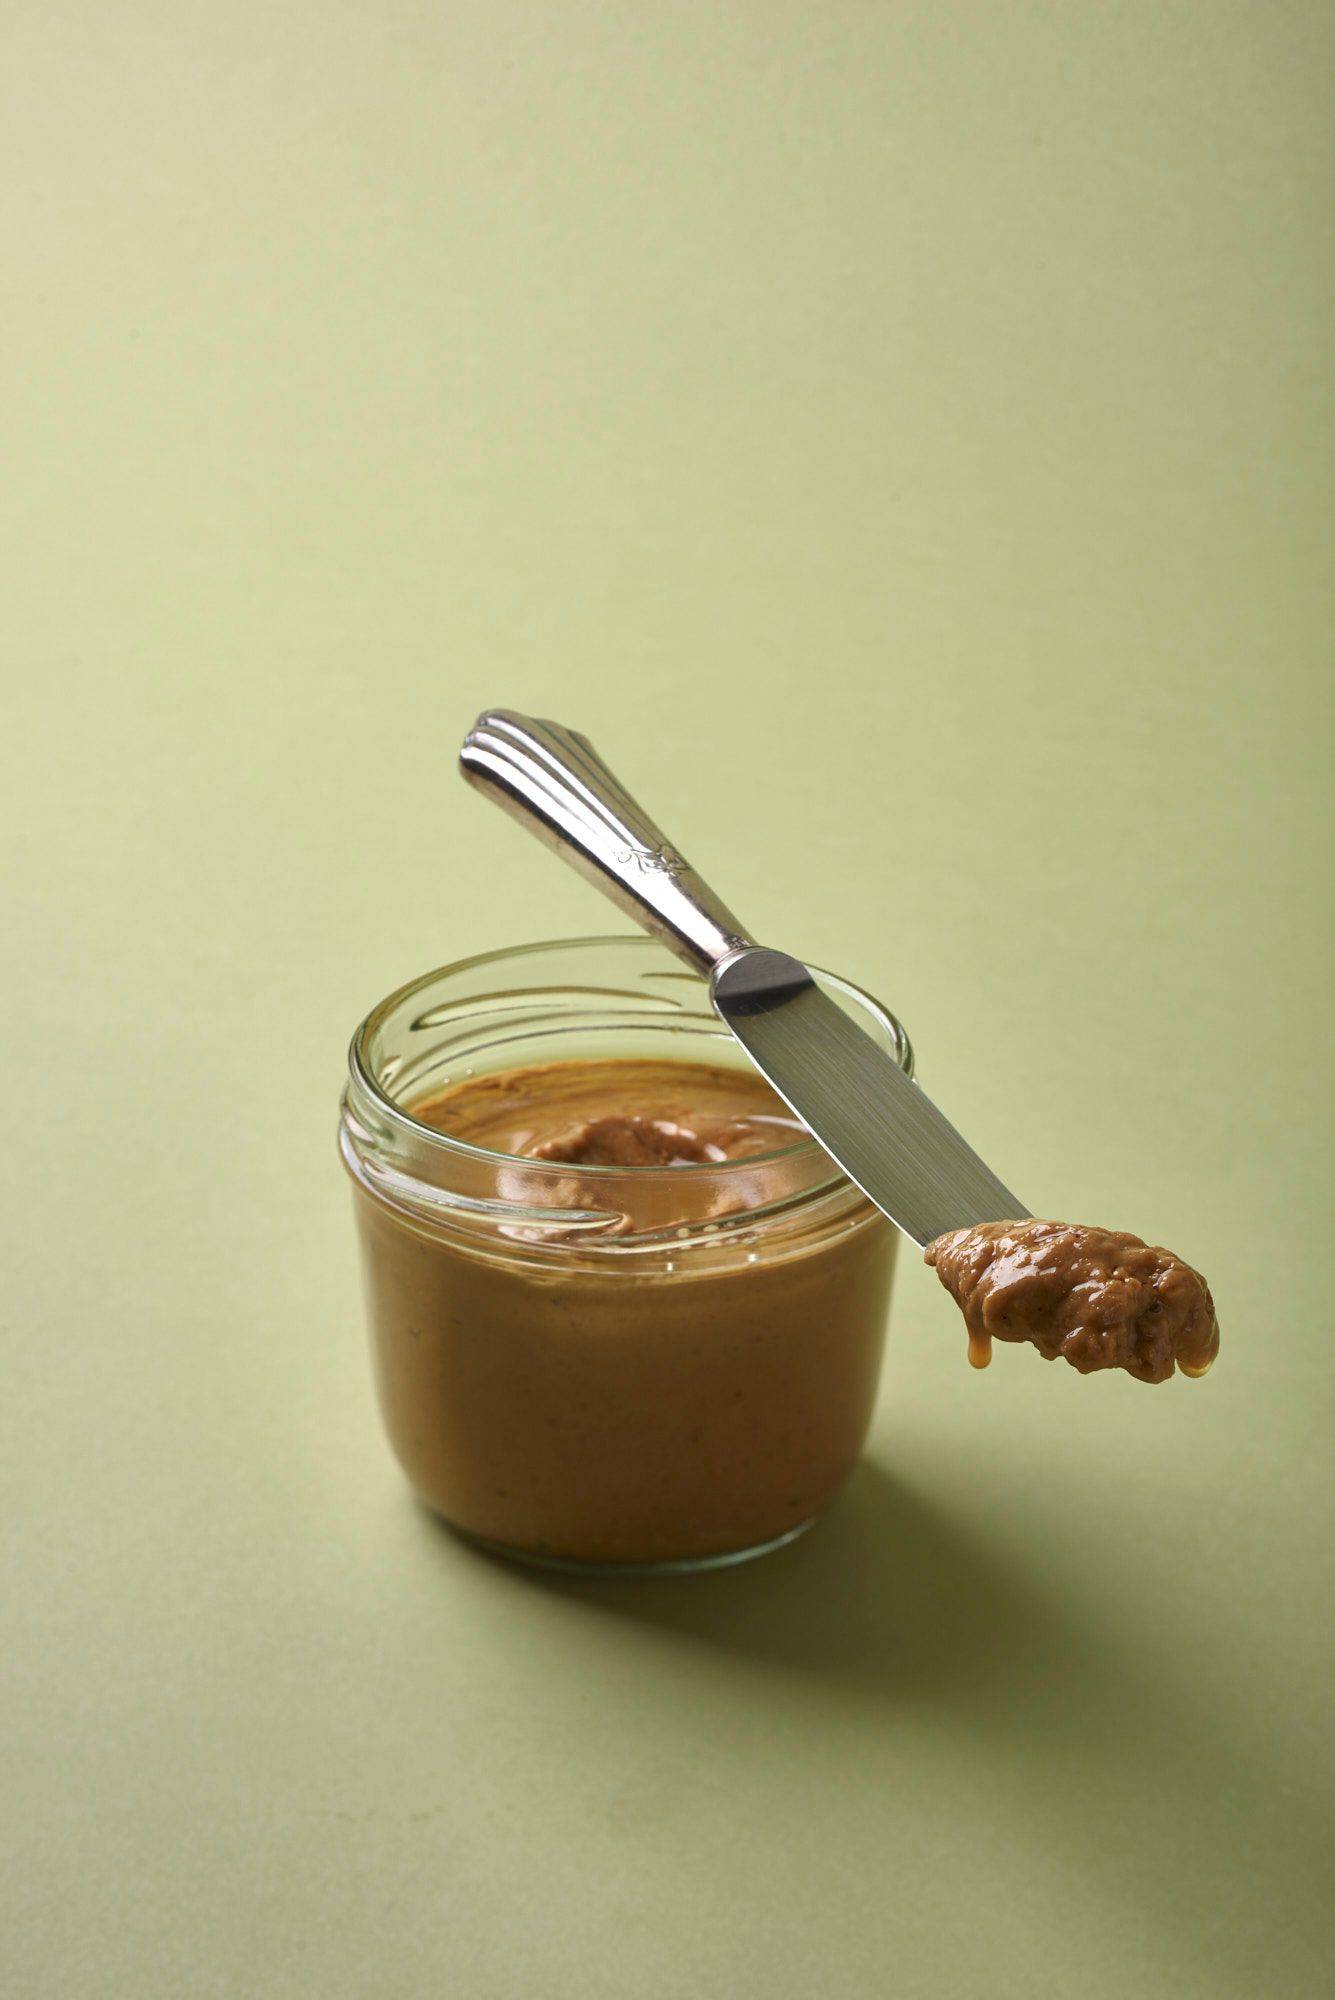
(1097, 1298)
(676, 1383)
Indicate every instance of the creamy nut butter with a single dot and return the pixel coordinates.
(623, 1310)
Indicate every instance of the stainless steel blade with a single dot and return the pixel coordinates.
(873, 1121)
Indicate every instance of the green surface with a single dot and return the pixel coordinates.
(900, 435)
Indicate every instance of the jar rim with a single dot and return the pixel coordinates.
(363, 1076)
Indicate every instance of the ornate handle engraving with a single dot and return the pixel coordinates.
(553, 780)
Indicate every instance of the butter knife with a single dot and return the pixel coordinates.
(872, 1120)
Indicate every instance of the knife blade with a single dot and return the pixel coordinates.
(853, 1097)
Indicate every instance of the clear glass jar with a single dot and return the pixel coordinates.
(563, 1388)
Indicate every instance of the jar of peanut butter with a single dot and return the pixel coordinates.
(625, 1313)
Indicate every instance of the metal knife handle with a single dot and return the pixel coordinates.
(554, 782)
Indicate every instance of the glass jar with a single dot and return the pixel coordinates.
(560, 1386)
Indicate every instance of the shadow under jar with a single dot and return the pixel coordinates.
(606, 1366)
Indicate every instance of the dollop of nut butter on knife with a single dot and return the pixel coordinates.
(1082, 1294)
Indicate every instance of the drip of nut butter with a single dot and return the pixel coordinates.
(1097, 1298)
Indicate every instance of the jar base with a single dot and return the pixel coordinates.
(672, 1566)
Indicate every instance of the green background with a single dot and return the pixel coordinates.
(901, 436)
